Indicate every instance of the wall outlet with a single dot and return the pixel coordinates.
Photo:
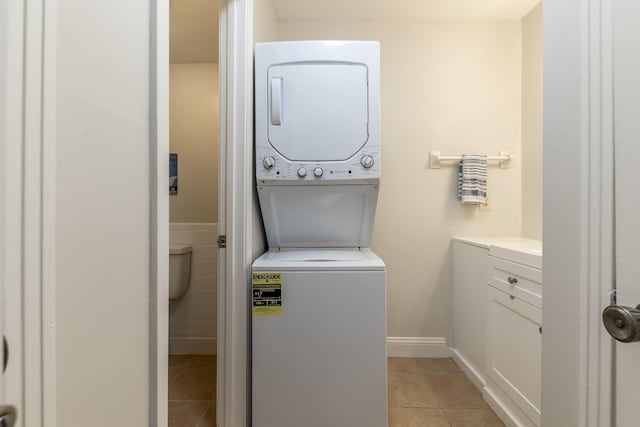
(485, 207)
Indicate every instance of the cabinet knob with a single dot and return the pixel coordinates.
(512, 280)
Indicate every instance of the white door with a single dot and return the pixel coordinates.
(626, 77)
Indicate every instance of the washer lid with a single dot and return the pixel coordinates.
(318, 110)
(319, 259)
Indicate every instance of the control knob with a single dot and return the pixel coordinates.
(318, 172)
(302, 172)
(366, 161)
(268, 162)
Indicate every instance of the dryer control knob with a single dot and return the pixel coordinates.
(302, 172)
(366, 161)
(268, 162)
(318, 172)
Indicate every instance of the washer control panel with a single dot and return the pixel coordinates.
(271, 165)
(268, 162)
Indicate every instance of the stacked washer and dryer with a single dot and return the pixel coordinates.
(318, 294)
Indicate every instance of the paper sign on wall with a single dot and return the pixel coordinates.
(173, 173)
(267, 293)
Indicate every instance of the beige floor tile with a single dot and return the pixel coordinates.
(410, 391)
(483, 417)
(192, 390)
(202, 361)
(455, 391)
(209, 418)
(417, 417)
(406, 365)
(179, 360)
(186, 413)
(193, 386)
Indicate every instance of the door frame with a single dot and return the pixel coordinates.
(578, 137)
(578, 213)
(159, 207)
(28, 212)
(236, 219)
(235, 207)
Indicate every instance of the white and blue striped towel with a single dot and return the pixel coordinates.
(472, 180)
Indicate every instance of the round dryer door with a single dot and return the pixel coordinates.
(318, 111)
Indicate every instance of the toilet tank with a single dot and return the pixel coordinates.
(179, 270)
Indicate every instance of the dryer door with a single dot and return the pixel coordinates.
(318, 111)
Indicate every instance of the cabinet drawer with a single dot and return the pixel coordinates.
(516, 279)
(514, 350)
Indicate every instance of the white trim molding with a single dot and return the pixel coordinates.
(192, 345)
(577, 192)
(501, 410)
(236, 204)
(159, 207)
(27, 204)
(424, 347)
(477, 378)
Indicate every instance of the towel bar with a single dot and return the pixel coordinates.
(504, 157)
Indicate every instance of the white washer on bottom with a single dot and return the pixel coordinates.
(322, 361)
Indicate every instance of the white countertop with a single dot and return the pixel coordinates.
(516, 249)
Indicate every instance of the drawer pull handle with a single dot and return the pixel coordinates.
(512, 280)
(512, 297)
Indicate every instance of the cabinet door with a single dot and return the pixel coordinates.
(514, 350)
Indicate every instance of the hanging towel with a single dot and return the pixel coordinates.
(472, 180)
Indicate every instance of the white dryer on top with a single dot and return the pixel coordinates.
(318, 159)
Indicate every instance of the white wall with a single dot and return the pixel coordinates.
(532, 124)
(102, 213)
(194, 127)
(265, 25)
(448, 86)
(192, 321)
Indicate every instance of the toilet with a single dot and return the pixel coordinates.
(179, 270)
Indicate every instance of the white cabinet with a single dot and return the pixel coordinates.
(469, 290)
(521, 281)
(514, 339)
(514, 350)
(497, 322)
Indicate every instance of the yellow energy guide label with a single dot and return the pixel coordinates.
(267, 293)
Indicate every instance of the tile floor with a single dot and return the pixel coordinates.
(434, 393)
(422, 393)
(192, 391)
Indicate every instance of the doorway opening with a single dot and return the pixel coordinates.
(465, 81)
(193, 214)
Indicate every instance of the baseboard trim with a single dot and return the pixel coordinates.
(495, 403)
(192, 345)
(426, 347)
(193, 226)
(472, 373)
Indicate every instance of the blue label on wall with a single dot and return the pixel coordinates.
(173, 173)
